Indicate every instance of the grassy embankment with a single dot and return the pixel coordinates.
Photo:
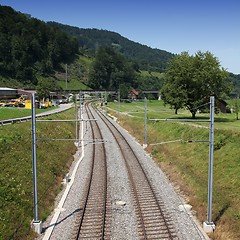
(186, 164)
(11, 112)
(77, 74)
(53, 161)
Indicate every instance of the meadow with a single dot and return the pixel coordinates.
(53, 161)
(12, 112)
(186, 164)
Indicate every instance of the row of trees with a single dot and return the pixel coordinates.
(29, 46)
(110, 70)
(190, 80)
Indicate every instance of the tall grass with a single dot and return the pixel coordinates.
(187, 163)
(53, 160)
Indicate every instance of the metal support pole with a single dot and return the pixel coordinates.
(36, 224)
(145, 122)
(105, 102)
(80, 104)
(34, 167)
(209, 225)
(119, 106)
(76, 116)
(66, 77)
(210, 170)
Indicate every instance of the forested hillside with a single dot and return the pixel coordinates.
(29, 47)
(34, 52)
(147, 58)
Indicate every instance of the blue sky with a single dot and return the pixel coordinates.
(171, 25)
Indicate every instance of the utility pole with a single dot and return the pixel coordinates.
(208, 225)
(80, 103)
(119, 106)
(145, 123)
(66, 77)
(76, 116)
(36, 223)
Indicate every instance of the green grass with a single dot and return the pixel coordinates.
(77, 74)
(158, 110)
(53, 161)
(187, 163)
(11, 112)
(155, 74)
(73, 84)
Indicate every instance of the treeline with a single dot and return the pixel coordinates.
(235, 80)
(110, 70)
(29, 46)
(147, 58)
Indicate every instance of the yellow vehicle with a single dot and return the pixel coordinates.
(45, 103)
(18, 102)
(2, 103)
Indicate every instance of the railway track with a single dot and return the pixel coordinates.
(153, 219)
(94, 218)
(91, 220)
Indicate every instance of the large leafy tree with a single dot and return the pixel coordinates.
(192, 79)
(45, 86)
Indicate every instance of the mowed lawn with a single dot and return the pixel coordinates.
(186, 164)
(12, 112)
(158, 110)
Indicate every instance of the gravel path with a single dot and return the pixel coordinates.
(123, 224)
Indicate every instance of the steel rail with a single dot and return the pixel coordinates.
(170, 233)
(91, 183)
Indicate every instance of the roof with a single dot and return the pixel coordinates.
(7, 89)
(21, 91)
(135, 92)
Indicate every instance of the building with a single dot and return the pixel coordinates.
(133, 95)
(8, 93)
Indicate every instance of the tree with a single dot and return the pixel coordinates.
(109, 70)
(236, 106)
(191, 80)
(29, 47)
(45, 86)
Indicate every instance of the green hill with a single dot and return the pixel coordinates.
(148, 58)
(32, 50)
(30, 47)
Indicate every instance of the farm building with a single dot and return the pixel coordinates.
(8, 93)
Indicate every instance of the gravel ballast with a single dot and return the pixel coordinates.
(123, 223)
